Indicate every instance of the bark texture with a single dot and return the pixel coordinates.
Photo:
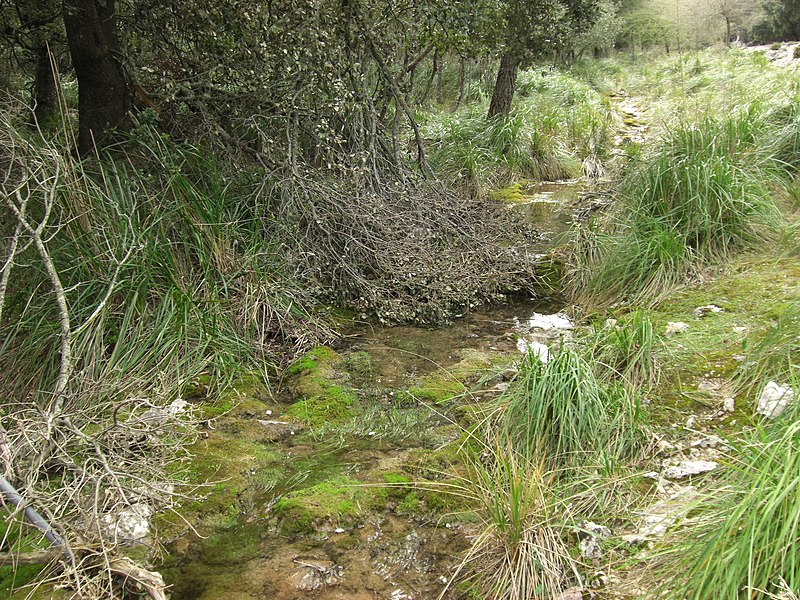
(104, 91)
(504, 86)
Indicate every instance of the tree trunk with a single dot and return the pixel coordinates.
(727, 31)
(505, 86)
(104, 90)
(45, 87)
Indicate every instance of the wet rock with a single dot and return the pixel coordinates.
(774, 399)
(677, 327)
(702, 311)
(131, 524)
(591, 534)
(537, 349)
(687, 468)
(274, 431)
(555, 321)
(312, 574)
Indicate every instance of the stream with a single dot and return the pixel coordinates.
(406, 550)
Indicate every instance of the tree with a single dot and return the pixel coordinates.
(781, 21)
(35, 27)
(735, 13)
(533, 28)
(104, 89)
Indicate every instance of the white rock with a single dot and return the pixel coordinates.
(702, 311)
(129, 524)
(774, 399)
(539, 350)
(729, 405)
(678, 327)
(688, 468)
(556, 321)
(610, 324)
(571, 594)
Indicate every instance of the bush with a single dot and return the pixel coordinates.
(705, 193)
(561, 411)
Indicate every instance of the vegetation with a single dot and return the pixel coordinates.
(200, 198)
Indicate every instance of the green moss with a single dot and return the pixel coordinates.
(12, 578)
(239, 467)
(321, 388)
(397, 484)
(358, 363)
(410, 505)
(445, 384)
(511, 194)
(320, 358)
(333, 404)
(340, 500)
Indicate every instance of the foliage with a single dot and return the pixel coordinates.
(519, 551)
(560, 410)
(626, 349)
(559, 122)
(772, 353)
(744, 539)
(707, 192)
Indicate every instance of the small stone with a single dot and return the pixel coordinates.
(556, 321)
(678, 327)
(688, 468)
(729, 405)
(610, 324)
(702, 311)
(690, 422)
(537, 349)
(774, 399)
(130, 524)
(740, 330)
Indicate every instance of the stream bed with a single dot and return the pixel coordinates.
(385, 538)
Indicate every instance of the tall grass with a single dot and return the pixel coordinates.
(626, 350)
(560, 410)
(198, 288)
(709, 190)
(519, 551)
(746, 535)
(773, 353)
(557, 125)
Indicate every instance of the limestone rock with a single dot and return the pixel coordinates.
(774, 399)
(131, 524)
(702, 311)
(687, 468)
(677, 327)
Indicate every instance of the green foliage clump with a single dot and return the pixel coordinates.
(745, 536)
(558, 123)
(559, 410)
(626, 349)
(707, 192)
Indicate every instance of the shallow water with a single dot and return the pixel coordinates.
(386, 556)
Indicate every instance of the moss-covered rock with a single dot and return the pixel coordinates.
(340, 501)
(445, 384)
(319, 383)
